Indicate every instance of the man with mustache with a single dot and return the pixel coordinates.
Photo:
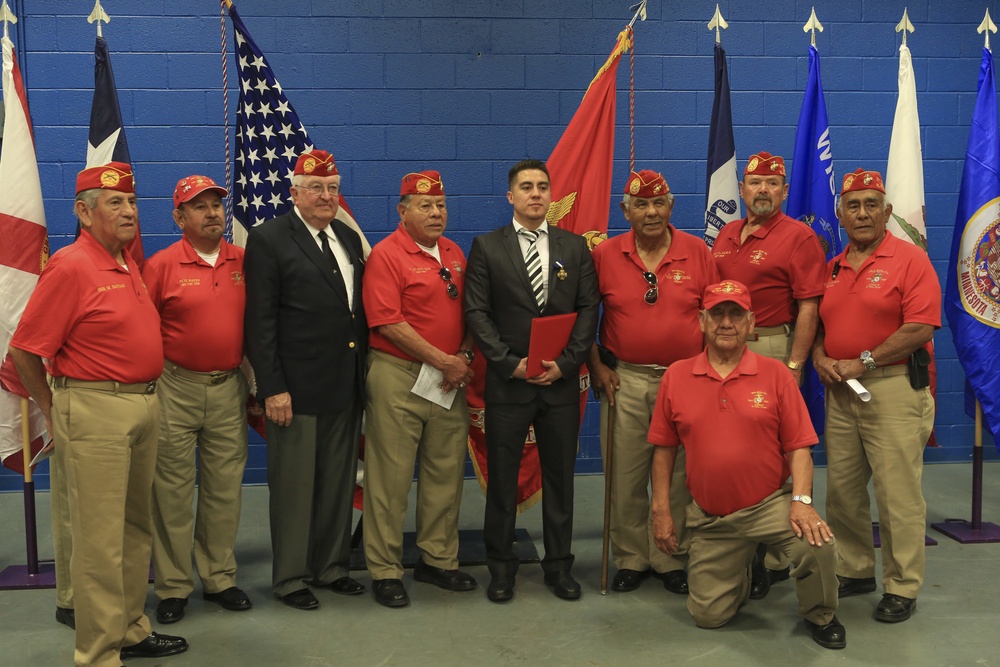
(197, 285)
(782, 262)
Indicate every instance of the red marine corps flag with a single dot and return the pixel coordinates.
(580, 169)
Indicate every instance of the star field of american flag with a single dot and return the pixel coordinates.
(269, 137)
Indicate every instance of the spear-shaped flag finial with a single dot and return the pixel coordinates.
(98, 15)
(7, 17)
(904, 25)
(718, 23)
(987, 26)
(813, 25)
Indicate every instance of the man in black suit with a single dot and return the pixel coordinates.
(307, 337)
(516, 273)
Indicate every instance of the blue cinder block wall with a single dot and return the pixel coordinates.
(471, 86)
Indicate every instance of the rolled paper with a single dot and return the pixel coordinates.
(860, 390)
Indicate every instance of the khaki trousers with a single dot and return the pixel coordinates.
(632, 543)
(722, 550)
(402, 428)
(212, 420)
(107, 442)
(775, 346)
(62, 535)
(882, 440)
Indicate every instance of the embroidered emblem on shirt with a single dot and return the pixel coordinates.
(758, 400)
(457, 267)
(876, 277)
(757, 256)
(679, 276)
(237, 278)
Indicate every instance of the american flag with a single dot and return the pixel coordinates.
(269, 139)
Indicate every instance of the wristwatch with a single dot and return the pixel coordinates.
(866, 359)
(805, 500)
(468, 354)
(794, 365)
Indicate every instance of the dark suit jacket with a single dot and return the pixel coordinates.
(301, 337)
(499, 307)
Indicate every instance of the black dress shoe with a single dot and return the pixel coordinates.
(501, 589)
(628, 580)
(854, 586)
(170, 610)
(301, 599)
(760, 586)
(390, 593)
(895, 608)
(450, 580)
(66, 616)
(232, 599)
(563, 585)
(675, 581)
(775, 576)
(155, 646)
(831, 635)
(346, 586)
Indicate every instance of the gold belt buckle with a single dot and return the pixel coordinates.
(218, 377)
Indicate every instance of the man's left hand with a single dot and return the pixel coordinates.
(806, 521)
(551, 374)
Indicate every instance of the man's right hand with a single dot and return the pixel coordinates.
(664, 532)
(604, 381)
(278, 408)
(456, 372)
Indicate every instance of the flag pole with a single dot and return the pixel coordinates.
(609, 467)
(97, 15)
(975, 532)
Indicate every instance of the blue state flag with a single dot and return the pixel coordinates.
(722, 191)
(813, 183)
(972, 295)
(811, 200)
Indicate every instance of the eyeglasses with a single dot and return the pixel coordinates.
(653, 293)
(317, 190)
(452, 287)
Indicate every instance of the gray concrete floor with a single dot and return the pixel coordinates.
(957, 622)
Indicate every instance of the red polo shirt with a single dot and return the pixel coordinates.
(735, 431)
(92, 319)
(895, 285)
(781, 262)
(402, 283)
(663, 332)
(201, 306)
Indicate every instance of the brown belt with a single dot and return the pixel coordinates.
(886, 371)
(211, 378)
(651, 370)
(111, 386)
(763, 332)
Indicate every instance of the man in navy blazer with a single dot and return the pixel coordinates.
(307, 337)
(524, 270)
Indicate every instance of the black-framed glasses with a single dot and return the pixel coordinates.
(452, 287)
(653, 292)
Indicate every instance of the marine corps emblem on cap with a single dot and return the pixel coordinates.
(316, 162)
(646, 184)
(727, 290)
(863, 180)
(426, 182)
(765, 164)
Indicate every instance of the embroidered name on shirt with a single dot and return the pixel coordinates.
(189, 282)
(108, 288)
(758, 400)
